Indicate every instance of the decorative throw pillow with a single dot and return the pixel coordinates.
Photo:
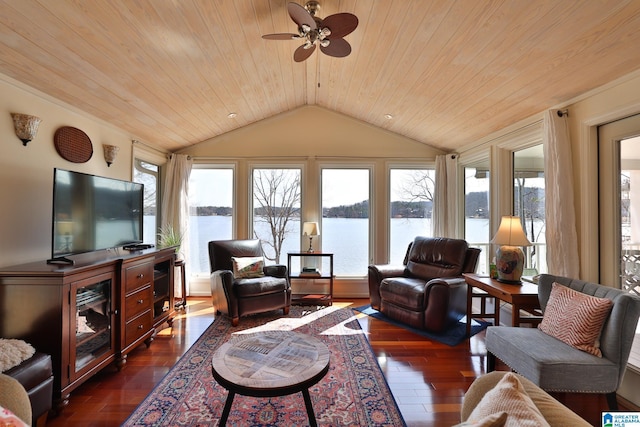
(247, 267)
(575, 318)
(509, 396)
(494, 420)
(7, 418)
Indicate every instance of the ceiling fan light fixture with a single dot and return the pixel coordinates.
(328, 32)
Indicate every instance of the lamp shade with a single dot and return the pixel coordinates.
(509, 256)
(310, 229)
(110, 153)
(26, 126)
(510, 233)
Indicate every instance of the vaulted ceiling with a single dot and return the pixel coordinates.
(448, 71)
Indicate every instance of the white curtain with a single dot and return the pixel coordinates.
(560, 217)
(445, 197)
(175, 205)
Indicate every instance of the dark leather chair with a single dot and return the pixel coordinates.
(428, 291)
(238, 297)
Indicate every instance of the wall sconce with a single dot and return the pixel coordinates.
(310, 229)
(110, 153)
(26, 126)
(509, 256)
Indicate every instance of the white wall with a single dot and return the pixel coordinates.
(312, 137)
(26, 173)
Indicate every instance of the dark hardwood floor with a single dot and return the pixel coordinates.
(428, 379)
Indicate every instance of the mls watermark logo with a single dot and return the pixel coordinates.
(621, 419)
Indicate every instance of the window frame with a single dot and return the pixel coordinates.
(227, 166)
(401, 166)
(371, 227)
(252, 166)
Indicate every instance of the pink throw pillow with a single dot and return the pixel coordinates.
(575, 318)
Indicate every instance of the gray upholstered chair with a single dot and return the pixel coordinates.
(557, 367)
(240, 296)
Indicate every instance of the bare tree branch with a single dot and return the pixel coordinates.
(418, 186)
(276, 195)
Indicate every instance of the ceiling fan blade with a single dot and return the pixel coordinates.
(281, 36)
(338, 48)
(340, 24)
(300, 16)
(301, 53)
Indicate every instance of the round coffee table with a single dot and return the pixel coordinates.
(269, 364)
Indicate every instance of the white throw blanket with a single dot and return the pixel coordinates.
(13, 352)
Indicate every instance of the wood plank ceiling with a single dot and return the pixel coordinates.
(449, 71)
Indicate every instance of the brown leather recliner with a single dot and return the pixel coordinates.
(242, 296)
(428, 291)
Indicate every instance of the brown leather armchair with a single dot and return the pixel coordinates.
(428, 291)
(240, 296)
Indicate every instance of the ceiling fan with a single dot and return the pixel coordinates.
(328, 32)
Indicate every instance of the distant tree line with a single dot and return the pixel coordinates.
(213, 211)
(476, 206)
(357, 210)
(411, 209)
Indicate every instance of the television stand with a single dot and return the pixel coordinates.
(89, 315)
(61, 260)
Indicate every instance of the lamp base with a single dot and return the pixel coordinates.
(510, 264)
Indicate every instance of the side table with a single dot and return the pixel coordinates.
(311, 298)
(521, 297)
(183, 282)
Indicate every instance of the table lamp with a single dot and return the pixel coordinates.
(310, 229)
(509, 256)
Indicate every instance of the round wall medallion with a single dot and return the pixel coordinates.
(73, 144)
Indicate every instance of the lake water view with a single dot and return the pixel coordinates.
(346, 238)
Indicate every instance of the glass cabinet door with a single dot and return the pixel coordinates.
(91, 304)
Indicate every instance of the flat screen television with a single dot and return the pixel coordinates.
(92, 213)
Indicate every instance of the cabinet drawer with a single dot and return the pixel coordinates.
(138, 302)
(138, 275)
(137, 327)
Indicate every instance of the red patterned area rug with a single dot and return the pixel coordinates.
(353, 393)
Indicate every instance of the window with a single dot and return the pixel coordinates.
(276, 212)
(345, 219)
(147, 173)
(629, 208)
(411, 204)
(619, 182)
(528, 203)
(476, 212)
(210, 212)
